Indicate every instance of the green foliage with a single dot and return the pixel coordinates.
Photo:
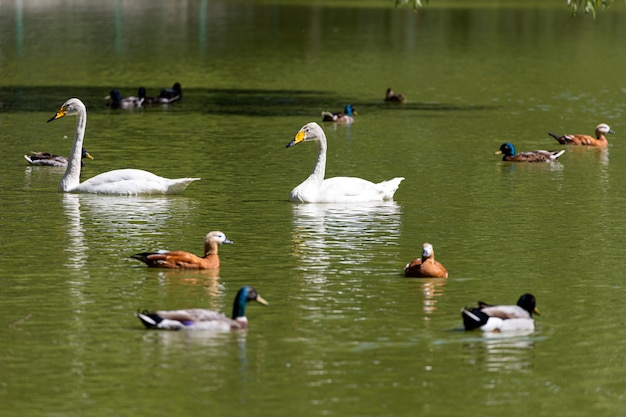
(589, 6)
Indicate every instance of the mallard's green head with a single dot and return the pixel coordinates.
(349, 110)
(507, 149)
(528, 303)
(244, 295)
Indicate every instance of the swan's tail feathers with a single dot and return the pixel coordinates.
(390, 187)
(150, 320)
(179, 185)
(474, 318)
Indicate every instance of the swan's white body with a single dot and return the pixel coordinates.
(316, 189)
(121, 181)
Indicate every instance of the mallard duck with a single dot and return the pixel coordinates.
(49, 159)
(530, 156)
(347, 116)
(201, 319)
(185, 260)
(492, 318)
(586, 140)
(121, 181)
(149, 101)
(392, 97)
(316, 189)
(172, 94)
(426, 266)
(119, 102)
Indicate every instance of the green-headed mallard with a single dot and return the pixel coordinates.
(585, 140)
(346, 116)
(185, 260)
(120, 181)
(119, 102)
(529, 156)
(494, 318)
(316, 189)
(201, 319)
(172, 94)
(426, 266)
(52, 160)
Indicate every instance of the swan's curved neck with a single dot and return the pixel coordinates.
(71, 178)
(319, 171)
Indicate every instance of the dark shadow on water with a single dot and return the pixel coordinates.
(247, 102)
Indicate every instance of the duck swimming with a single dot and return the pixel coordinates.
(391, 97)
(346, 117)
(585, 140)
(119, 102)
(120, 181)
(172, 94)
(201, 319)
(52, 160)
(529, 156)
(426, 266)
(494, 318)
(316, 189)
(186, 260)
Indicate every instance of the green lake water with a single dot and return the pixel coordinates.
(345, 333)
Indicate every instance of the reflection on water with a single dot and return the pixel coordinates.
(431, 288)
(207, 279)
(497, 352)
(328, 236)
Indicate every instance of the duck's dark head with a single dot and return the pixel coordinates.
(244, 295)
(507, 149)
(528, 303)
(349, 110)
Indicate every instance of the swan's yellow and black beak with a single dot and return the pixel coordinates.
(299, 138)
(62, 112)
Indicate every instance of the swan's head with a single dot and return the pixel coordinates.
(218, 237)
(310, 131)
(427, 250)
(71, 107)
(604, 129)
(507, 149)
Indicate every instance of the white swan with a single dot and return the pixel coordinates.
(120, 181)
(316, 189)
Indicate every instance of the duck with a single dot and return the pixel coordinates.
(508, 150)
(119, 102)
(120, 181)
(185, 260)
(52, 160)
(392, 97)
(172, 94)
(151, 100)
(346, 117)
(316, 189)
(426, 266)
(585, 140)
(499, 318)
(202, 319)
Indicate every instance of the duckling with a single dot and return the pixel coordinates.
(201, 319)
(530, 156)
(119, 102)
(426, 266)
(392, 97)
(492, 318)
(586, 140)
(347, 116)
(49, 159)
(186, 260)
(172, 94)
